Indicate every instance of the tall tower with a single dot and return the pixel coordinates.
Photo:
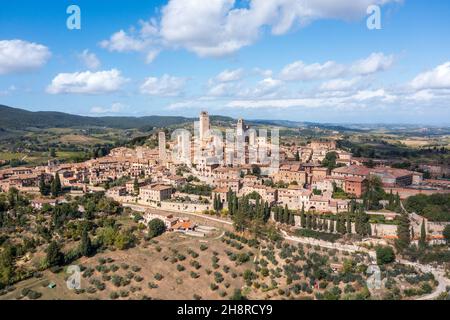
(204, 125)
(162, 146)
(240, 128)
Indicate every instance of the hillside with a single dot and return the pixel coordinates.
(14, 118)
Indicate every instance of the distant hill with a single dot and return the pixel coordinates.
(14, 118)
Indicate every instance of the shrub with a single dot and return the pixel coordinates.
(158, 276)
(136, 268)
(385, 255)
(180, 268)
(114, 295)
(156, 227)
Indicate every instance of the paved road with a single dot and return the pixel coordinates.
(439, 275)
(203, 216)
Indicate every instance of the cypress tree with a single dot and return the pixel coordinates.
(86, 245)
(56, 188)
(54, 255)
(349, 224)
(423, 235)
(403, 232)
(303, 217)
(286, 214)
(308, 221)
(266, 211)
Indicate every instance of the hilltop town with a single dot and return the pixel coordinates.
(231, 180)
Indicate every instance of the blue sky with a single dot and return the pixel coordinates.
(280, 59)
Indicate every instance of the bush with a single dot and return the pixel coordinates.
(203, 247)
(156, 227)
(385, 255)
(158, 276)
(180, 268)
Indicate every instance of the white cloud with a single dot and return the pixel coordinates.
(89, 59)
(115, 108)
(223, 89)
(21, 56)
(221, 27)
(438, 78)
(376, 62)
(298, 70)
(229, 75)
(339, 84)
(266, 73)
(87, 82)
(151, 56)
(166, 86)
(122, 42)
(266, 88)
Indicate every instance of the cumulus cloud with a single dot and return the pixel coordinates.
(143, 41)
(122, 42)
(229, 75)
(298, 70)
(376, 62)
(165, 86)
(340, 84)
(22, 56)
(89, 59)
(266, 88)
(87, 82)
(438, 78)
(216, 28)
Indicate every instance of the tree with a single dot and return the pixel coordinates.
(86, 248)
(286, 214)
(6, 266)
(237, 295)
(374, 193)
(309, 221)
(43, 187)
(403, 232)
(54, 255)
(297, 156)
(330, 160)
(156, 227)
(52, 153)
(303, 217)
(56, 188)
(136, 186)
(423, 236)
(385, 255)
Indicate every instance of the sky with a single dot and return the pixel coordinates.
(299, 60)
